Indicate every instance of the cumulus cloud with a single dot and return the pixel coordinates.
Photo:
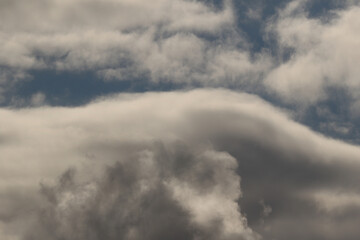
(205, 164)
(161, 194)
(325, 53)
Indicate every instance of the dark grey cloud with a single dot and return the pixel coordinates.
(204, 164)
(134, 201)
(283, 176)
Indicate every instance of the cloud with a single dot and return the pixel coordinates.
(335, 202)
(159, 195)
(183, 42)
(324, 54)
(205, 163)
(85, 34)
(189, 43)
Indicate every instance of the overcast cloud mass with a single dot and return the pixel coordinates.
(179, 119)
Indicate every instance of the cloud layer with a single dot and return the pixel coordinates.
(200, 164)
(204, 164)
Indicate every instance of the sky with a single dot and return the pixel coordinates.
(179, 119)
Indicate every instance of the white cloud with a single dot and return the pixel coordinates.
(325, 55)
(172, 41)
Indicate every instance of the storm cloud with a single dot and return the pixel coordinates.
(205, 164)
